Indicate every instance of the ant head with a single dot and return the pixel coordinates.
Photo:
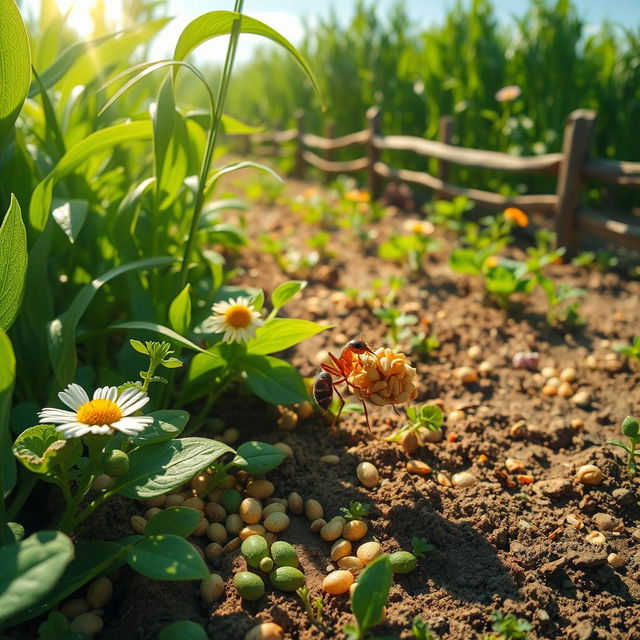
(359, 346)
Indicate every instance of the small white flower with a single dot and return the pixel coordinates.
(236, 318)
(509, 93)
(107, 412)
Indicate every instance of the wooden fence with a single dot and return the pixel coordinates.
(572, 166)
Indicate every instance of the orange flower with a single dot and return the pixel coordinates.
(507, 94)
(491, 261)
(420, 227)
(517, 216)
(356, 195)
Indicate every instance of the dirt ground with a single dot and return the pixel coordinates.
(496, 547)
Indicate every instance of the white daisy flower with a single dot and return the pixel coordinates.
(107, 412)
(236, 318)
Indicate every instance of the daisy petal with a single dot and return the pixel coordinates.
(132, 406)
(56, 416)
(74, 396)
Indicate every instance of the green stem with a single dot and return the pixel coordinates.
(24, 491)
(89, 509)
(211, 143)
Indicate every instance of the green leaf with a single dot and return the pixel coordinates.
(167, 424)
(630, 427)
(167, 557)
(430, 415)
(62, 330)
(13, 261)
(258, 457)
(237, 166)
(179, 521)
(274, 380)
(619, 443)
(180, 311)
(281, 333)
(91, 559)
(165, 332)
(30, 569)
(372, 593)
(163, 466)
(43, 450)
(466, 261)
(183, 630)
(7, 379)
(15, 66)
(285, 292)
(220, 23)
(70, 216)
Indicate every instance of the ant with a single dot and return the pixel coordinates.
(324, 385)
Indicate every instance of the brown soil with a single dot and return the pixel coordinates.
(496, 548)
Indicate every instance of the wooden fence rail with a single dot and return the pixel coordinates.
(572, 167)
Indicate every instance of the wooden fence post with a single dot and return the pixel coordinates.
(330, 133)
(576, 141)
(374, 125)
(445, 135)
(299, 166)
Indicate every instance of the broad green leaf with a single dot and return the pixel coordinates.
(160, 467)
(465, 261)
(220, 23)
(70, 216)
(274, 380)
(165, 332)
(167, 424)
(237, 166)
(62, 330)
(281, 333)
(43, 450)
(285, 292)
(372, 593)
(179, 521)
(431, 416)
(30, 569)
(180, 311)
(167, 557)
(13, 262)
(258, 457)
(183, 630)
(15, 66)
(91, 559)
(7, 379)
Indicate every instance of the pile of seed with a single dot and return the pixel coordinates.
(85, 614)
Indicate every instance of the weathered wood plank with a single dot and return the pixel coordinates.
(332, 166)
(330, 144)
(603, 227)
(615, 171)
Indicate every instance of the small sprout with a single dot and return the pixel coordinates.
(312, 609)
(159, 354)
(356, 510)
(426, 416)
(421, 630)
(420, 546)
(631, 429)
(510, 627)
(631, 351)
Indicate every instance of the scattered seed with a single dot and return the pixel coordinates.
(351, 563)
(524, 479)
(403, 562)
(287, 578)
(410, 442)
(251, 530)
(589, 474)
(368, 552)
(455, 416)
(330, 459)
(338, 582)
(261, 489)
(486, 367)
(304, 409)
(581, 399)
(284, 554)
(443, 478)
(73, 608)
(513, 465)
(274, 507)
(615, 560)
(87, 623)
(249, 585)
(549, 372)
(194, 503)
(466, 375)
(212, 588)
(317, 525)
(174, 500)
(266, 565)
(233, 524)
(250, 510)
(355, 530)
(463, 479)
(216, 532)
(431, 435)
(213, 551)
(596, 537)
(285, 448)
(313, 509)
(367, 474)
(575, 521)
(518, 430)
(254, 549)
(288, 420)
(138, 524)
(215, 512)
(295, 503)
(419, 467)
(568, 374)
(332, 530)
(265, 631)
(149, 513)
(103, 481)
(475, 352)
(340, 549)
(276, 522)
(232, 545)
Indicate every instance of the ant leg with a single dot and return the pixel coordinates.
(342, 403)
(366, 416)
(338, 363)
(329, 369)
(396, 410)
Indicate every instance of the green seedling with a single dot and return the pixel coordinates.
(420, 546)
(631, 429)
(426, 416)
(506, 279)
(160, 354)
(631, 351)
(409, 250)
(562, 306)
(320, 243)
(356, 511)
(397, 323)
(601, 259)
(313, 609)
(449, 213)
(424, 344)
(509, 627)
(421, 630)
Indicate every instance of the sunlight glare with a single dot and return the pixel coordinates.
(80, 14)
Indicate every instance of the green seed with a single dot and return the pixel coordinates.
(287, 578)
(231, 500)
(115, 463)
(403, 562)
(284, 555)
(266, 564)
(249, 585)
(255, 549)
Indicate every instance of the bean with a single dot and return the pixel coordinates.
(217, 533)
(212, 588)
(276, 522)
(418, 467)
(249, 585)
(317, 525)
(251, 530)
(340, 549)
(283, 554)
(355, 530)
(138, 524)
(287, 578)
(403, 562)
(265, 631)
(260, 489)
(338, 582)
(215, 512)
(254, 549)
(100, 592)
(87, 623)
(295, 503)
(367, 474)
(332, 530)
(250, 511)
(351, 563)
(234, 523)
(369, 551)
(73, 608)
(313, 509)
(274, 507)
(213, 551)
(174, 500)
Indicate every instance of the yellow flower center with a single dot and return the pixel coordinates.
(238, 316)
(98, 412)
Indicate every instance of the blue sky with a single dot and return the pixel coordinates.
(288, 16)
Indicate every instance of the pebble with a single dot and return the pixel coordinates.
(624, 497)
(555, 487)
(606, 522)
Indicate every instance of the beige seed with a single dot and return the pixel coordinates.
(337, 582)
(410, 442)
(276, 522)
(212, 588)
(270, 537)
(596, 537)
(568, 374)
(513, 465)
(103, 481)
(367, 474)
(455, 416)
(285, 448)
(252, 530)
(368, 552)
(466, 375)
(340, 549)
(486, 367)
(351, 563)
(232, 545)
(73, 608)
(250, 510)
(431, 435)
(330, 459)
(317, 525)
(149, 513)
(355, 530)
(589, 474)
(156, 501)
(295, 503)
(194, 503)
(174, 500)
(265, 631)
(332, 530)
(213, 551)
(518, 430)
(565, 390)
(419, 467)
(87, 623)
(201, 529)
(274, 507)
(475, 353)
(138, 524)
(288, 421)
(215, 512)
(272, 500)
(550, 372)
(581, 399)
(260, 489)
(304, 409)
(443, 478)
(313, 509)
(615, 560)
(591, 362)
(463, 479)
(216, 532)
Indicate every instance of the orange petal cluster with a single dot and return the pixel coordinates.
(384, 378)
